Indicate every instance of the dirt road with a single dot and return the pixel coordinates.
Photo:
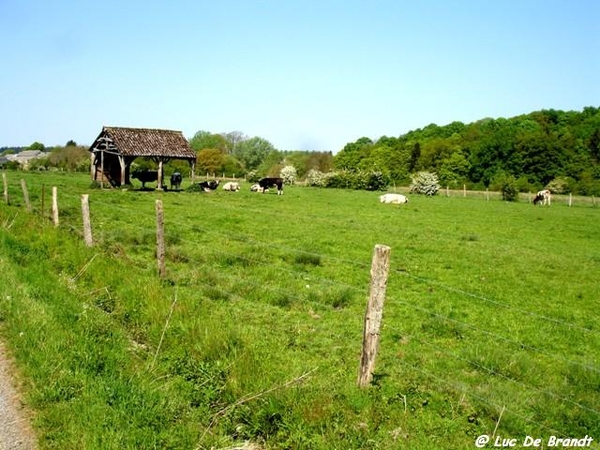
(15, 429)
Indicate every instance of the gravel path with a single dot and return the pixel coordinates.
(15, 430)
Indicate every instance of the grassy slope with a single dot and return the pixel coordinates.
(490, 316)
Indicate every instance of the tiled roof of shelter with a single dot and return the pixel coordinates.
(144, 142)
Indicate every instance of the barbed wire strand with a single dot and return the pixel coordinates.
(495, 373)
(432, 313)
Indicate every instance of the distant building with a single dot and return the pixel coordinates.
(24, 157)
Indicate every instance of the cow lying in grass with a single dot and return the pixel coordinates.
(545, 197)
(397, 199)
(267, 183)
(176, 179)
(256, 188)
(232, 186)
(208, 186)
(145, 176)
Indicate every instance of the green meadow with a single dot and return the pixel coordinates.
(490, 324)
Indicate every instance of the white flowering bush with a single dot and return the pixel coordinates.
(289, 174)
(559, 185)
(315, 177)
(424, 183)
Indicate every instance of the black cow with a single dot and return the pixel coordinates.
(145, 176)
(266, 183)
(176, 179)
(208, 186)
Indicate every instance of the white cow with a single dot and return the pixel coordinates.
(257, 188)
(398, 199)
(232, 186)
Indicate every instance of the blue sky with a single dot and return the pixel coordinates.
(305, 75)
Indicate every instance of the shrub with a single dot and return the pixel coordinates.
(289, 174)
(376, 181)
(560, 185)
(523, 185)
(510, 192)
(425, 183)
(342, 179)
(315, 177)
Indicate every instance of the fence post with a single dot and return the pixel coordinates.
(160, 238)
(380, 267)
(464, 190)
(25, 195)
(487, 194)
(570, 199)
(447, 191)
(55, 205)
(87, 225)
(5, 182)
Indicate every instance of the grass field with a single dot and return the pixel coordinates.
(490, 324)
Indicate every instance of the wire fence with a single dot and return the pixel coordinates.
(487, 195)
(501, 340)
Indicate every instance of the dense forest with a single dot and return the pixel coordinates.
(547, 148)
(560, 148)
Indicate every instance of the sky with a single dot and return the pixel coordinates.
(304, 75)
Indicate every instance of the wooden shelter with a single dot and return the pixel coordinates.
(116, 148)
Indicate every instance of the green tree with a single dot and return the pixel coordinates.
(209, 160)
(415, 155)
(37, 146)
(205, 139)
(252, 152)
(232, 139)
(71, 158)
(352, 154)
(321, 161)
(594, 145)
(232, 167)
(454, 169)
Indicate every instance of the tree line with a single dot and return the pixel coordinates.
(546, 148)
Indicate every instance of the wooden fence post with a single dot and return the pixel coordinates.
(87, 225)
(55, 205)
(380, 267)
(464, 190)
(570, 199)
(160, 239)
(25, 195)
(487, 194)
(43, 199)
(5, 182)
